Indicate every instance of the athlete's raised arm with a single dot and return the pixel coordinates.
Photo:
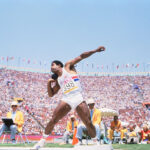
(83, 56)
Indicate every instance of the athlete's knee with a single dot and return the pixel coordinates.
(68, 107)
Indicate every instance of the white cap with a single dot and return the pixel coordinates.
(72, 116)
(90, 101)
(14, 103)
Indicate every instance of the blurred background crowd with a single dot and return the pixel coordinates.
(124, 94)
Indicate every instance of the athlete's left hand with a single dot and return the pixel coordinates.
(51, 80)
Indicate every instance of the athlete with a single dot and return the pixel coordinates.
(66, 78)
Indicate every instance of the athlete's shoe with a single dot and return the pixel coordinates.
(39, 145)
(97, 142)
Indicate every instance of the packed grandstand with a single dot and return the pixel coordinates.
(124, 94)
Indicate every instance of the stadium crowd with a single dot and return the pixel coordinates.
(125, 94)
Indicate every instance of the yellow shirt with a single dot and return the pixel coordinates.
(116, 126)
(132, 133)
(69, 125)
(19, 119)
(96, 118)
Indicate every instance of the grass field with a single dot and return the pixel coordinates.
(31, 144)
(115, 146)
(131, 146)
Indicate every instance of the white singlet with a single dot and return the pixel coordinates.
(71, 88)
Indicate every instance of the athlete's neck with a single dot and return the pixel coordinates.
(59, 72)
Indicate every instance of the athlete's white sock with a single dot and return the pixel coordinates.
(45, 136)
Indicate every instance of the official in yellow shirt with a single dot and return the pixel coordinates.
(71, 125)
(18, 119)
(115, 128)
(96, 120)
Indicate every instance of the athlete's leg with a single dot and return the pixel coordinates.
(84, 113)
(61, 110)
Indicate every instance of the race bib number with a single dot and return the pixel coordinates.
(69, 86)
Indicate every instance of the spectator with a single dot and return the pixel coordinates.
(17, 117)
(145, 133)
(71, 125)
(115, 128)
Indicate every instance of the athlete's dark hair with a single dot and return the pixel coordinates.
(57, 62)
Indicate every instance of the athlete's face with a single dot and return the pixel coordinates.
(54, 67)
